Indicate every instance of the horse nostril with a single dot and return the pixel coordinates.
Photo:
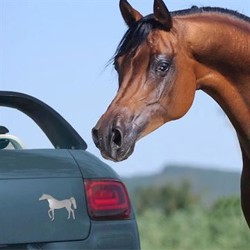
(95, 136)
(116, 137)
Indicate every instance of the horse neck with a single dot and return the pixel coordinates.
(220, 41)
(221, 52)
(50, 198)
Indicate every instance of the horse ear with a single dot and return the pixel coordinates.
(129, 14)
(162, 14)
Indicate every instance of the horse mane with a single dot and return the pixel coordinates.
(197, 10)
(139, 31)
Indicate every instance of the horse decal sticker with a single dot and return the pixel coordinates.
(59, 204)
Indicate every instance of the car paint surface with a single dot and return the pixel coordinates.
(25, 176)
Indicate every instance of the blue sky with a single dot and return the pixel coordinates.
(57, 51)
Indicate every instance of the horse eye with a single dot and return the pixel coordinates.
(162, 67)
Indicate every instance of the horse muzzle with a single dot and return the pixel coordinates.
(115, 140)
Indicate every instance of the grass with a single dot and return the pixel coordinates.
(193, 230)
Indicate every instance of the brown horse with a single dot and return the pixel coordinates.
(162, 60)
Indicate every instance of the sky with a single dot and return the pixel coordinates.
(58, 51)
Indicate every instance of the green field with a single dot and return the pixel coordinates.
(199, 229)
(185, 208)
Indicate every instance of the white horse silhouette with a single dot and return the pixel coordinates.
(56, 204)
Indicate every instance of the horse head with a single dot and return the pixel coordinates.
(157, 82)
(45, 197)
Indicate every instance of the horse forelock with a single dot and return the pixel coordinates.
(136, 35)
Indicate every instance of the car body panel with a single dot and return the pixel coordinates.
(25, 176)
(37, 163)
(113, 235)
(24, 218)
(91, 167)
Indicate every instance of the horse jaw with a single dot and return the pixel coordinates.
(118, 130)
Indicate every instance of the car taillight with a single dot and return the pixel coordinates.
(107, 200)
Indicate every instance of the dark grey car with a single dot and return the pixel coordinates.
(62, 198)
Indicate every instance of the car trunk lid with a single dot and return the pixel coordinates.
(42, 197)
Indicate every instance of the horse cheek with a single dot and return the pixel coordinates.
(181, 97)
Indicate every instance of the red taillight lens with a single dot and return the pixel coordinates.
(107, 200)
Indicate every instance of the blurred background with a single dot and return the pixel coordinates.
(184, 177)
